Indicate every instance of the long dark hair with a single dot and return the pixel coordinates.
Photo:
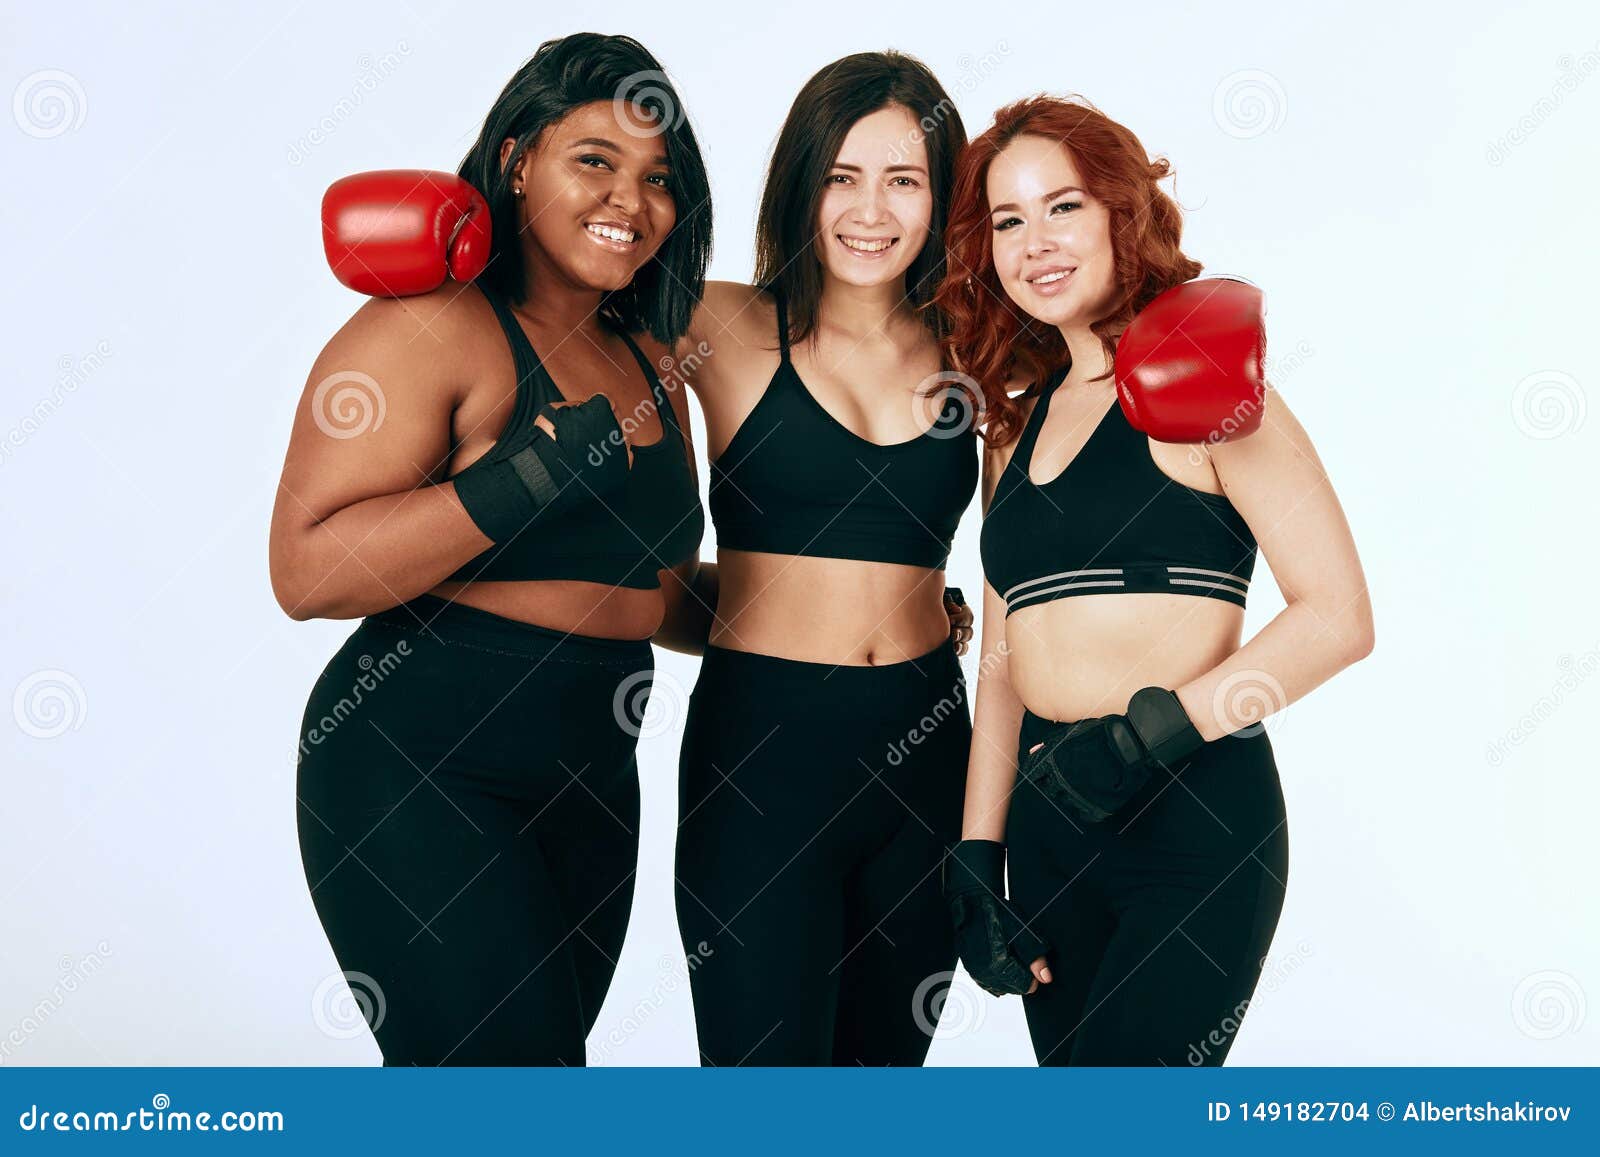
(821, 117)
(563, 74)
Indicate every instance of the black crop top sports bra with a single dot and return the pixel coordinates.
(1111, 522)
(653, 522)
(796, 481)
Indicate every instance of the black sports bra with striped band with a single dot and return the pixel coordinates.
(1112, 522)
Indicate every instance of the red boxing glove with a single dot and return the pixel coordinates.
(1188, 366)
(399, 232)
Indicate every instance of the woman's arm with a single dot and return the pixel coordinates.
(996, 712)
(691, 593)
(355, 527)
(1277, 483)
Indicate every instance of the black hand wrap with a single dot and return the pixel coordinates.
(993, 942)
(1095, 766)
(528, 471)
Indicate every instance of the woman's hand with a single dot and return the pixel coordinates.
(960, 618)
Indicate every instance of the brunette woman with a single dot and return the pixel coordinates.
(827, 737)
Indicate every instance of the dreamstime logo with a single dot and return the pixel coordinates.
(1248, 104)
(347, 1004)
(672, 370)
(974, 71)
(1574, 71)
(1275, 370)
(49, 703)
(74, 971)
(1548, 1004)
(371, 74)
(678, 370)
(74, 372)
(1548, 404)
(49, 103)
(347, 704)
(672, 977)
(947, 706)
(1268, 981)
(1574, 673)
(649, 703)
(944, 1009)
(960, 402)
(1243, 701)
(650, 97)
(347, 404)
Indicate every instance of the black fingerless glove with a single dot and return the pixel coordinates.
(1095, 766)
(994, 944)
(529, 472)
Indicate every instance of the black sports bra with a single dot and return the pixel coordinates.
(1111, 522)
(795, 481)
(653, 522)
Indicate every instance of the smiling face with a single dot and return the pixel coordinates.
(596, 195)
(1051, 237)
(876, 205)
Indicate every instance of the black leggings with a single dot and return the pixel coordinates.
(816, 804)
(468, 818)
(1160, 917)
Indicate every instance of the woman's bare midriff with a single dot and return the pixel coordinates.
(828, 610)
(1081, 657)
(579, 608)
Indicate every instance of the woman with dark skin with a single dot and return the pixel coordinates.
(510, 525)
(1143, 919)
(811, 827)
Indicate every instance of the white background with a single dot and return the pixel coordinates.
(1413, 186)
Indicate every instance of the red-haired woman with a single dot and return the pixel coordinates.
(1146, 832)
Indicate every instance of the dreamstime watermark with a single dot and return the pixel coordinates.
(944, 1010)
(48, 103)
(49, 703)
(1270, 980)
(372, 72)
(348, 404)
(649, 96)
(974, 71)
(1574, 70)
(346, 1005)
(160, 1117)
(1276, 368)
(649, 703)
(1248, 103)
(959, 400)
(674, 975)
(1244, 700)
(676, 370)
(347, 705)
(948, 705)
(1548, 1004)
(1549, 404)
(73, 373)
(1573, 673)
(74, 972)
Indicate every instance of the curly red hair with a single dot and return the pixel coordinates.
(989, 337)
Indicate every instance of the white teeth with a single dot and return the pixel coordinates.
(611, 233)
(1050, 277)
(867, 246)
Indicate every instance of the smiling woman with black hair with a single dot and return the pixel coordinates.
(468, 797)
(826, 740)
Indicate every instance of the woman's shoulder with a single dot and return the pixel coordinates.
(736, 311)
